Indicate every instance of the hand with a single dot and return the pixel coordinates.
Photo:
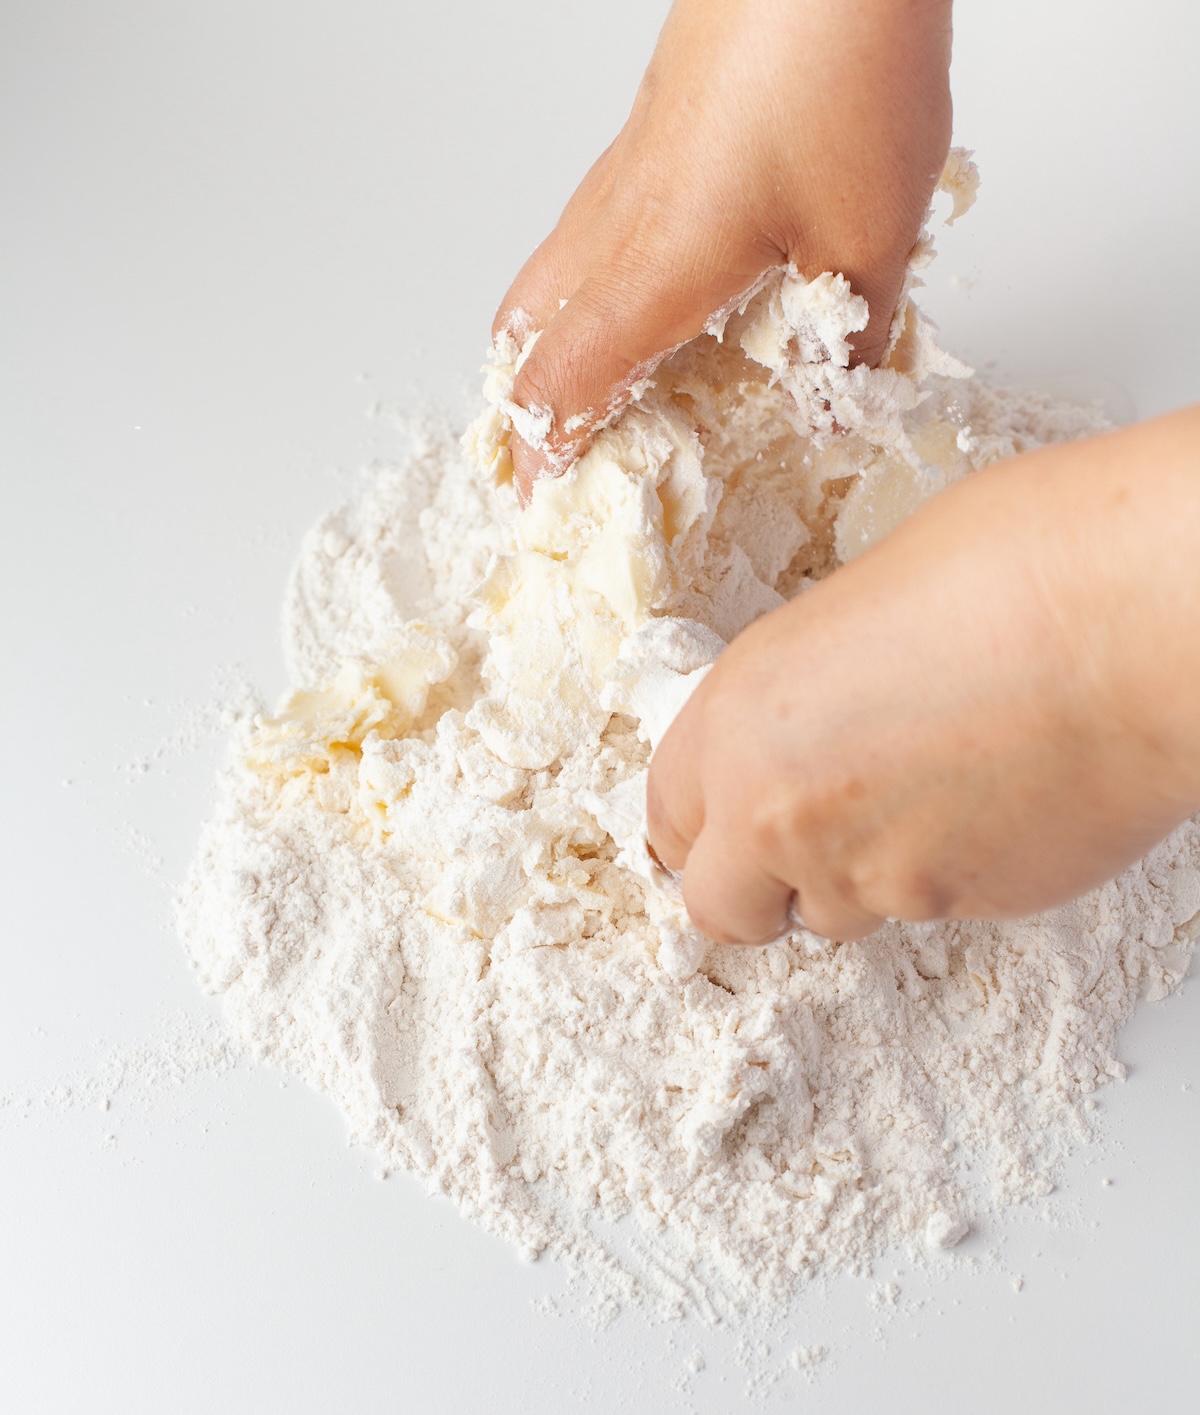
(764, 131)
(994, 710)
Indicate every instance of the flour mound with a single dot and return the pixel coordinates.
(426, 887)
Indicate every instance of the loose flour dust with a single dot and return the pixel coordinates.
(426, 887)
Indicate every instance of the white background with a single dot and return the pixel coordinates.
(227, 229)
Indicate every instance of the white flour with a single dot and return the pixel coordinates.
(426, 888)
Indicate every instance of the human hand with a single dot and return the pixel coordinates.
(764, 132)
(995, 709)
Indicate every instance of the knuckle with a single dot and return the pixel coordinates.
(538, 382)
(921, 898)
(512, 318)
(772, 829)
(700, 909)
(787, 818)
(733, 908)
(554, 378)
(822, 921)
(839, 918)
(712, 925)
(902, 890)
(872, 260)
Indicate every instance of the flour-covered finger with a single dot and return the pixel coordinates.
(674, 802)
(635, 306)
(557, 267)
(729, 896)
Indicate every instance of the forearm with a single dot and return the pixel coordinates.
(1134, 543)
(1107, 531)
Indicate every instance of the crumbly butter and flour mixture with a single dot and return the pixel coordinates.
(426, 887)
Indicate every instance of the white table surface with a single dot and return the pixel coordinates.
(228, 228)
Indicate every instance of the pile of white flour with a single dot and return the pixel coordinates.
(426, 887)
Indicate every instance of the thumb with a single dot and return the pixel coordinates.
(589, 359)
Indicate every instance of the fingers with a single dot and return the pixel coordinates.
(878, 279)
(881, 295)
(729, 896)
(737, 889)
(620, 323)
(732, 897)
(622, 319)
(831, 914)
(553, 272)
(582, 369)
(612, 290)
(546, 279)
(611, 301)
